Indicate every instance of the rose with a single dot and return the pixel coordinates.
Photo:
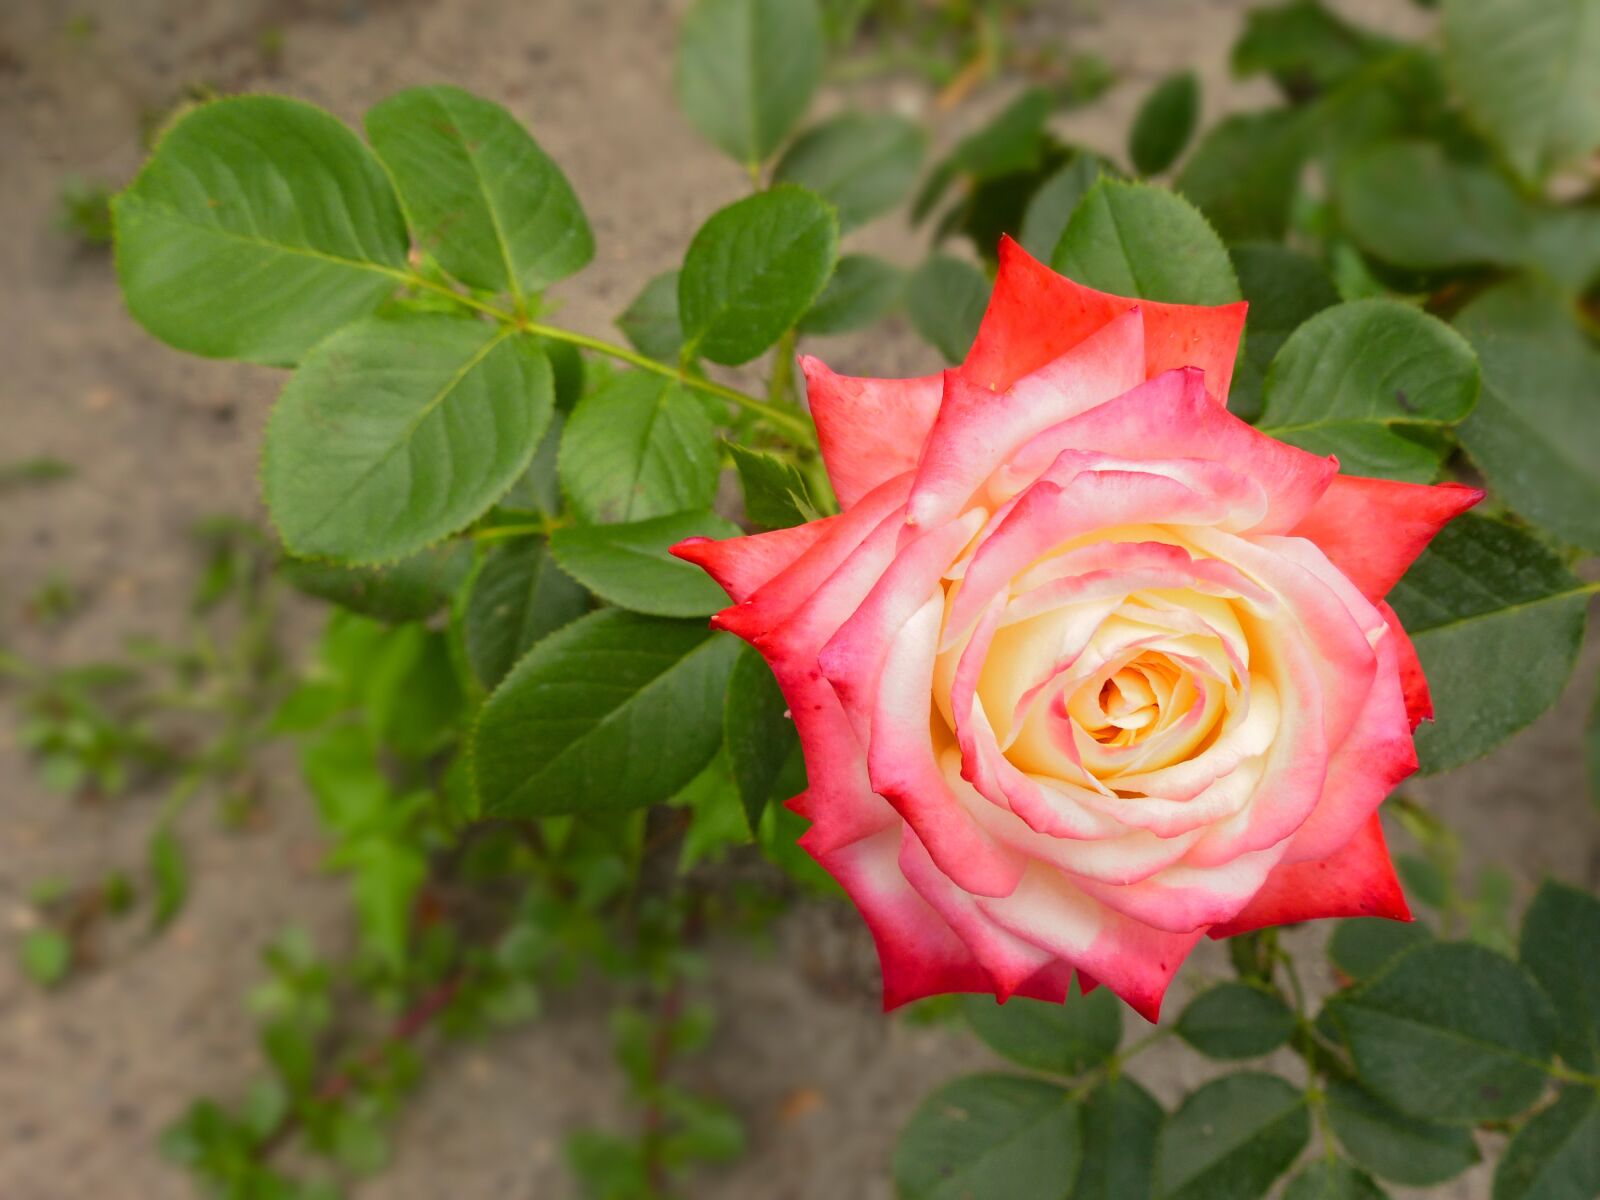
(1086, 668)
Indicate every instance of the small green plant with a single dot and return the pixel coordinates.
(84, 212)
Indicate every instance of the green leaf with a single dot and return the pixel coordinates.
(169, 871)
(1232, 1138)
(1121, 1131)
(746, 71)
(1591, 750)
(259, 226)
(1306, 48)
(753, 270)
(1347, 377)
(651, 322)
(628, 565)
(862, 163)
(1136, 239)
(1391, 1145)
(760, 737)
(1332, 1180)
(1528, 72)
(861, 289)
(388, 874)
(1236, 1020)
(1285, 289)
(775, 493)
(1051, 207)
(1362, 947)
(1244, 173)
(1450, 1032)
(1556, 1155)
(1164, 123)
(945, 298)
(1497, 620)
(479, 193)
(1533, 433)
(1063, 1039)
(397, 431)
(518, 598)
(1560, 932)
(613, 711)
(45, 956)
(1013, 141)
(410, 590)
(638, 447)
(990, 1137)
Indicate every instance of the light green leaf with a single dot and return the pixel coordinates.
(410, 590)
(613, 711)
(1285, 289)
(397, 431)
(1332, 1180)
(480, 194)
(775, 493)
(519, 597)
(1051, 207)
(1528, 72)
(1236, 1020)
(990, 1137)
(1536, 430)
(45, 956)
(1136, 239)
(1391, 1145)
(1164, 123)
(651, 322)
(753, 270)
(862, 163)
(1244, 173)
(1121, 1131)
(1063, 1039)
(259, 226)
(629, 566)
(861, 289)
(746, 71)
(1559, 934)
(1350, 375)
(945, 298)
(1497, 620)
(758, 732)
(638, 447)
(169, 871)
(1556, 1155)
(1233, 1137)
(1450, 1032)
(388, 874)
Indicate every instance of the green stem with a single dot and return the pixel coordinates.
(780, 390)
(495, 533)
(1567, 1075)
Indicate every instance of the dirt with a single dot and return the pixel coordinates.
(89, 1075)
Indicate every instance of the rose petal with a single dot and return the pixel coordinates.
(869, 430)
(1413, 683)
(741, 565)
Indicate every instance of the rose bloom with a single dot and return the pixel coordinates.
(1086, 668)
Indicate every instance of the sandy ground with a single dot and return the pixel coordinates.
(90, 1074)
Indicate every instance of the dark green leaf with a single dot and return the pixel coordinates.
(990, 1137)
(1391, 1145)
(1556, 1155)
(1012, 141)
(1529, 73)
(1285, 289)
(410, 590)
(759, 733)
(1497, 620)
(651, 322)
(1450, 1032)
(1121, 1129)
(1064, 1039)
(1164, 123)
(1423, 880)
(862, 163)
(1051, 207)
(1347, 377)
(538, 490)
(1244, 173)
(946, 297)
(45, 955)
(520, 595)
(753, 270)
(1533, 432)
(639, 447)
(612, 711)
(1560, 935)
(860, 290)
(1332, 1180)
(1236, 1020)
(746, 71)
(628, 565)
(1136, 239)
(479, 193)
(1232, 1138)
(169, 871)
(1306, 48)
(398, 431)
(1363, 947)
(259, 226)
(775, 493)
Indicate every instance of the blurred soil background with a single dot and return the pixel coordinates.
(91, 1073)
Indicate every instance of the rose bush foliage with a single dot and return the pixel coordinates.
(1087, 668)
